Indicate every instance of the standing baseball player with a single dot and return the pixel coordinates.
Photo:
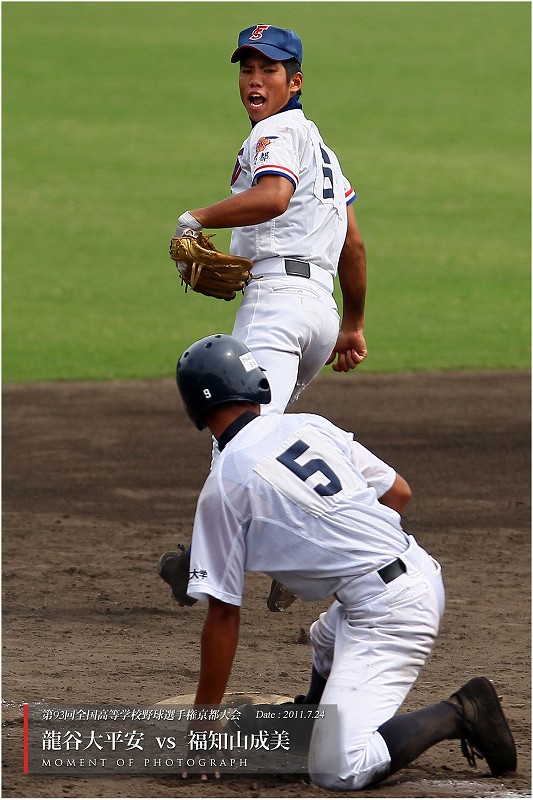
(296, 497)
(291, 214)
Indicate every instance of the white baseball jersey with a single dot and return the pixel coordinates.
(313, 228)
(295, 497)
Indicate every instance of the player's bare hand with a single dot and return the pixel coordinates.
(350, 349)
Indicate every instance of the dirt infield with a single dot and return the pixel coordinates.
(100, 478)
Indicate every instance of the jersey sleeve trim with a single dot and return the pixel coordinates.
(350, 196)
(274, 169)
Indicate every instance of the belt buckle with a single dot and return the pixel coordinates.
(294, 266)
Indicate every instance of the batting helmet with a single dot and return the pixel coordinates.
(218, 369)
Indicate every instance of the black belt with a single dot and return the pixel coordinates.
(392, 571)
(387, 573)
(295, 267)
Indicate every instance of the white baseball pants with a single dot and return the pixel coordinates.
(371, 647)
(291, 325)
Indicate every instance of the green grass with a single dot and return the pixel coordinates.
(119, 116)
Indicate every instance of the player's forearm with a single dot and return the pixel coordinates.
(220, 636)
(258, 204)
(352, 277)
(352, 281)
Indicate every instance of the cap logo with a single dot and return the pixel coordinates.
(258, 32)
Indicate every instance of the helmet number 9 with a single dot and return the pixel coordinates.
(207, 394)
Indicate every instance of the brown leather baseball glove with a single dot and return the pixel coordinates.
(208, 271)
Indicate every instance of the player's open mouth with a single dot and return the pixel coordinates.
(256, 100)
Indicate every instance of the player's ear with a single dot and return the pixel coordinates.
(296, 83)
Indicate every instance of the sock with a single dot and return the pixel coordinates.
(408, 735)
(316, 688)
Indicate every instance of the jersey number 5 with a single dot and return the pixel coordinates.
(304, 471)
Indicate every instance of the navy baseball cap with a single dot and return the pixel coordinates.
(278, 44)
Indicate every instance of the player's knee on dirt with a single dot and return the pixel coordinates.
(335, 766)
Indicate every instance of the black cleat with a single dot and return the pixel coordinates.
(486, 733)
(280, 597)
(174, 567)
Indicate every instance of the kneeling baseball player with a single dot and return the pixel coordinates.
(296, 497)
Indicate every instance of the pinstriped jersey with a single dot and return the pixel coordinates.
(295, 497)
(313, 228)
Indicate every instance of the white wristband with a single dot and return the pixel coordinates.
(188, 221)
